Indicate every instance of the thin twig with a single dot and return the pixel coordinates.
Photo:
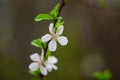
(45, 50)
(41, 77)
(62, 5)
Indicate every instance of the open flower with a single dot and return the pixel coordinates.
(50, 63)
(39, 63)
(53, 36)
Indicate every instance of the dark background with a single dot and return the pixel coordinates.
(92, 27)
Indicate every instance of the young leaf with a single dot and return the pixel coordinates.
(54, 11)
(65, 1)
(97, 75)
(48, 53)
(58, 24)
(34, 72)
(37, 43)
(41, 17)
(106, 75)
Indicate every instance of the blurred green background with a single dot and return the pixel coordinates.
(92, 27)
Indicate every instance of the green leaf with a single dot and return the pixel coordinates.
(59, 23)
(37, 43)
(59, 18)
(106, 75)
(97, 75)
(65, 1)
(48, 53)
(54, 11)
(41, 17)
(34, 72)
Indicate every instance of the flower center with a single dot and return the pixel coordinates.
(54, 36)
(41, 62)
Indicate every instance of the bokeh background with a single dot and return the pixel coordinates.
(92, 27)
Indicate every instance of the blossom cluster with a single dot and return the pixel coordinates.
(45, 64)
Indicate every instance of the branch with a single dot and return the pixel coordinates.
(55, 21)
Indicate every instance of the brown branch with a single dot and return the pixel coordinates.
(62, 5)
(41, 76)
(55, 21)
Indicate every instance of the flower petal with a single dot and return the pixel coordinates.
(42, 54)
(48, 67)
(52, 45)
(35, 57)
(43, 70)
(51, 29)
(33, 66)
(54, 67)
(52, 59)
(60, 30)
(62, 40)
(46, 38)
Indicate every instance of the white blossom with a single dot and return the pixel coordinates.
(55, 36)
(50, 63)
(39, 63)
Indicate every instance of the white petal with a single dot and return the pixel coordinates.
(62, 40)
(43, 70)
(60, 30)
(33, 66)
(48, 67)
(54, 67)
(51, 29)
(52, 45)
(46, 38)
(52, 59)
(35, 57)
(42, 54)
